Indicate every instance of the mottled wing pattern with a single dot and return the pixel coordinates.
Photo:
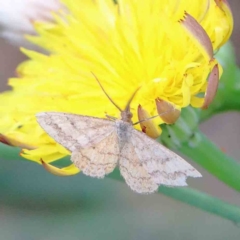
(98, 159)
(133, 172)
(75, 131)
(164, 166)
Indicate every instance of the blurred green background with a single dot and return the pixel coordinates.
(37, 205)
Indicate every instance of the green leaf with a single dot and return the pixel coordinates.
(187, 195)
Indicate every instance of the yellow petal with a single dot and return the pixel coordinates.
(224, 6)
(148, 126)
(197, 102)
(48, 152)
(13, 142)
(62, 172)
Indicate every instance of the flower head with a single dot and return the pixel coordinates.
(164, 47)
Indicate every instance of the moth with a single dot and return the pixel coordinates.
(99, 145)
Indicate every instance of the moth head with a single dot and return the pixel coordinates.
(126, 115)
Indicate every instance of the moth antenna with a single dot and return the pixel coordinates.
(106, 93)
(146, 119)
(130, 100)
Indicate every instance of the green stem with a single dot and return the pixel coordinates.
(197, 199)
(204, 202)
(201, 150)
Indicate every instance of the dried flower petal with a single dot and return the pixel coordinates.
(212, 87)
(167, 112)
(199, 34)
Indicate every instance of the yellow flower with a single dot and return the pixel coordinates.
(166, 47)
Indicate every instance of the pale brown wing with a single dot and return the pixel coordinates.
(74, 131)
(98, 159)
(134, 173)
(164, 166)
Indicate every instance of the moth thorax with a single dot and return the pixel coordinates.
(123, 132)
